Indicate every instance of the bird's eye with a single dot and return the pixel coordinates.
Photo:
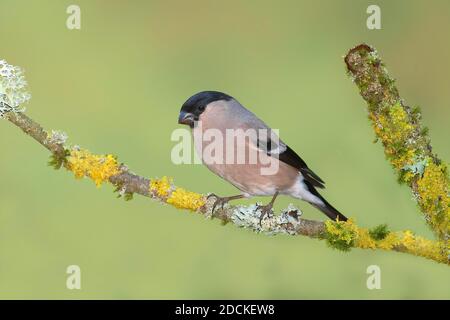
(201, 108)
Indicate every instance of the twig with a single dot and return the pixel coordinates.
(404, 138)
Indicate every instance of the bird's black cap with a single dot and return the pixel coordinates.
(202, 99)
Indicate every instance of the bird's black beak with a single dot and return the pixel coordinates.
(186, 118)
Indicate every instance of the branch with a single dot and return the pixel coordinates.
(405, 140)
(106, 169)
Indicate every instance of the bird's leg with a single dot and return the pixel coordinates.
(221, 201)
(265, 210)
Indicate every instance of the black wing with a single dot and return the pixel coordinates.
(289, 157)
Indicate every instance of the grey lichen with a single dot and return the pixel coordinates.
(58, 137)
(417, 167)
(248, 217)
(13, 89)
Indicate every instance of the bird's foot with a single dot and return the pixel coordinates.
(266, 210)
(220, 201)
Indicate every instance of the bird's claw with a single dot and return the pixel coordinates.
(220, 201)
(266, 210)
(212, 195)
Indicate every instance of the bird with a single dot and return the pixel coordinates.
(214, 110)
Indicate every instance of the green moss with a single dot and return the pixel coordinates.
(121, 193)
(128, 196)
(57, 161)
(424, 131)
(415, 110)
(379, 232)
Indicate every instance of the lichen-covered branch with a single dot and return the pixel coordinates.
(405, 140)
(106, 169)
(339, 235)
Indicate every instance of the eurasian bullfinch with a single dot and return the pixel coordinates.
(218, 112)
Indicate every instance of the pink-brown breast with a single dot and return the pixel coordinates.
(259, 174)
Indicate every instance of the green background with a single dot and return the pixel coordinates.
(117, 86)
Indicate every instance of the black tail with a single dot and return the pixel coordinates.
(330, 211)
(326, 208)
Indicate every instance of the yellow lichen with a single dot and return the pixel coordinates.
(161, 187)
(183, 199)
(341, 234)
(436, 250)
(408, 150)
(345, 235)
(400, 122)
(404, 158)
(388, 242)
(408, 176)
(363, 239)
(178, 197)
(393, 128)
(97, 167)
(432, 189)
